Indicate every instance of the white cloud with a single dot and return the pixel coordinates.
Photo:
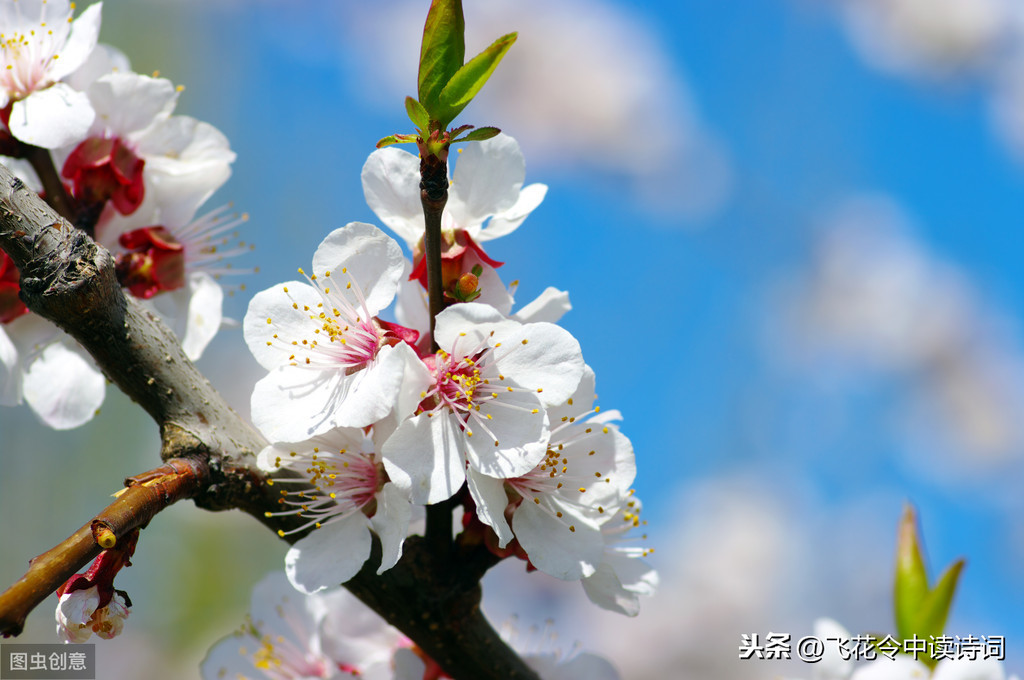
(875, 300)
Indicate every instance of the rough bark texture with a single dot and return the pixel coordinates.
(69, 279)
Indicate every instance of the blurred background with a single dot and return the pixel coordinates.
(791, 235)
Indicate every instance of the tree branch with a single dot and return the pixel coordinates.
(69, 279)
(144, 496)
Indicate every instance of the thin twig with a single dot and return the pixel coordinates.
(144, 496)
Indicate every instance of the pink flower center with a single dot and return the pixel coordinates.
(155, 262)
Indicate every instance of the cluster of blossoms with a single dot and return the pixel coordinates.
(289, 636)
(135, 176)
(374, 425)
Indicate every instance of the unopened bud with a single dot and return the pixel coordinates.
(466, 286)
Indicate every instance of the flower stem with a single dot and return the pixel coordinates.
(56, 195)
(433, 197)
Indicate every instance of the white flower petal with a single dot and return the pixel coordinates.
(103, 60)
(554, 547)
(423, 457)
(549, 306)
(468, 324)
(391, 522)
(129, 102)
(832, 666)
(487, 179)
(85, 30)
(491, 500)
(284, 305)
(968, 669)
(56, 116)
(293, 403)
(507, 222)
(900, 668)
(62, 387)
(330, 555)
(373, 261)
(516, 435)
(391, 186)
(542, 356)
(206, 299)
(586, 665)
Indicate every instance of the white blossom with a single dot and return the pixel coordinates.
(40, 44)
(482, 419)
(348, 483)
(331, 363)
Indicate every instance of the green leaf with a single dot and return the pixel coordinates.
(468, 80)
(418, 115)
(395, 139)
(935, 608)
(442, 52)
(479, 135)
(911, 587)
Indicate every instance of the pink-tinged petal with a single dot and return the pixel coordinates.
(355, 636)
(469, 323)
(415, 379)
(363, 261)
(103, 60)
(10, 372)
(129, 102)
(330, 555)
(493, 291)
(292, 403)
(85, 30)
(832, 666)
(206, 299)
(487, 178)
(391, 522)
(74, 611)
(407, 666)
(619, 582)
(969, 669)
(491, 500)
(62, 387)
(186, 161)
(582, 399)
(542, 356)
(900, 668)
(391, 186)
(569, 548)
(412, 307)
(284, 304)
(56, 116)
(423, 458)
(507, 222)
(586, 665)
(550, 306)
(512, 437)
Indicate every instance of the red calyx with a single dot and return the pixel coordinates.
(454, 262)
(106, 169)
(155, 263)
(11, 306)
(103, 570)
